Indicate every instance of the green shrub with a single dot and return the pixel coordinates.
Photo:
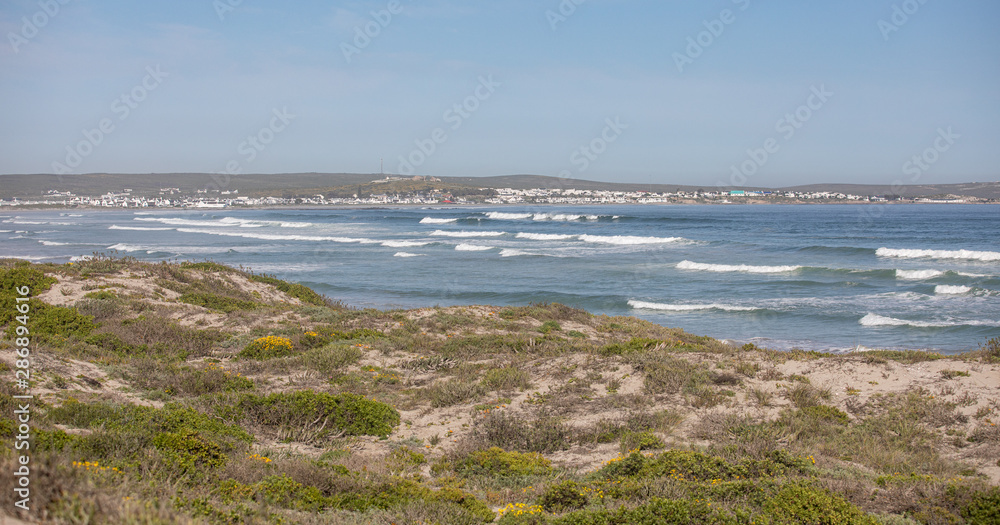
(633, 441)
(801, 504)
(300, 292)
(984, 508)
(268, 347)
(634, 345)
(563, 497)
(496, 462)
(508, 378)
(12, 278)
(279, 490)
(313, 415)
(189, 451)
(510, 432)
(48, 322)
(206, 266)
(826, 413)
(549, 326)
(657, 511)
(102, 295)
(473, 506)
(991, 350)
(331, 357)
(452, 391)
(147, 421)
(698, 466)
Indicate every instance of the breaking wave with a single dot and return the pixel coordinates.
(939, 254)
(643, 305)
(442, 233)
(472, 248)
(690, 265)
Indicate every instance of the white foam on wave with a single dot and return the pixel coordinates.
(544, 236)
(629, 240)
(435, 220)
(501, 216)
(407, 254)
(881, 320)
(78, 258)
(6, 231)
(276, 237)
(122, 247)
(939, 254)
(55, 243)
(472, 248)
(643, 305)
(512, 252)
(690, 265)
(945, 289)
(918, 274)
(560, 217)
(443, 233)
(182, 222)
(138, 228)
(404, 244)
(225, 221)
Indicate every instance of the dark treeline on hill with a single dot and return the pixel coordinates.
(345, 184)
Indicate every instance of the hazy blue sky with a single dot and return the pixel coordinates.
(619, 77)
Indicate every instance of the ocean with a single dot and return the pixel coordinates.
(819, 277)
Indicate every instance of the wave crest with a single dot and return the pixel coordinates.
(443, 233)
(938, 254)
(472, 248)
(629, 240)
(643, 305)
(690, 265)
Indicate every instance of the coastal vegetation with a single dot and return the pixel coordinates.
(198, 393)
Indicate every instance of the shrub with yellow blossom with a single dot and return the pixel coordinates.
(267, 348)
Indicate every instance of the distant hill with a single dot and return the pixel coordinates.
(35, 185)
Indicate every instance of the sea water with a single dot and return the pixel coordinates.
(825, 277)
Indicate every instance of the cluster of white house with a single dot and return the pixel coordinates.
(230, 198)
(575, 196)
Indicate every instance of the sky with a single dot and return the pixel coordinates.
(700, 92)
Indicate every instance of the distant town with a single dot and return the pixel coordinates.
(171, 197)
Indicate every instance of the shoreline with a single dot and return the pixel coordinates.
(43, 207)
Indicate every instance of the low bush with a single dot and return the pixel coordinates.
(497, 462)
(798, 504)
(564, 496)
(311, 416)
(510, 432)
(508, 378)
(268, 347)
(298, 291)
(640, 441)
